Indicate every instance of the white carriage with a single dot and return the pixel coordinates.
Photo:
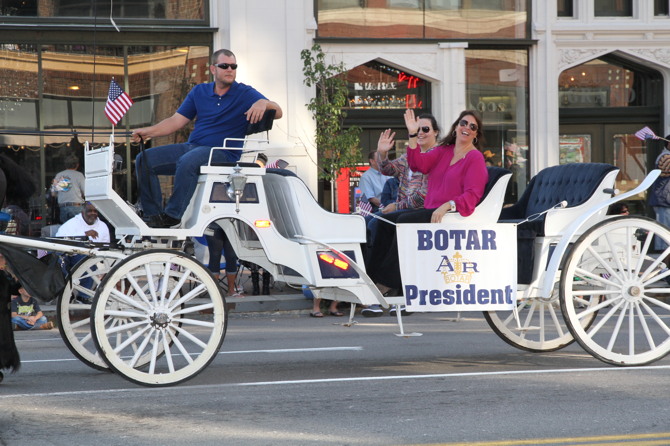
(159, 318)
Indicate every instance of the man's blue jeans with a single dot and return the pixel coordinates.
(23, 325)
(181, 160)
(67, 212)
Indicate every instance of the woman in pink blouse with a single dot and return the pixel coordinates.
(457, 177)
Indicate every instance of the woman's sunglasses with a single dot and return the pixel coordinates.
(224, 66)
(425, 129)
(465, 123)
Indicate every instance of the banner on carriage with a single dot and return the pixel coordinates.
(459, 268)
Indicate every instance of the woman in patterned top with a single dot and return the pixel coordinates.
(412, 188)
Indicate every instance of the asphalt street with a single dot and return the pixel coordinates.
(294, 380)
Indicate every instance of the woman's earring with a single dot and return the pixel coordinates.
(475, 140)
(453, 133)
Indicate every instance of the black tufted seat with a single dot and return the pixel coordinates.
(574, 183)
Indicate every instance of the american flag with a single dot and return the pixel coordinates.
(118, 103)
(364, 208)
(645, 133)
(277, 164)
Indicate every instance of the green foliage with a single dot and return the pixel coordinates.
(337, 147)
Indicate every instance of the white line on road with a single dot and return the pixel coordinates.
(333, 380)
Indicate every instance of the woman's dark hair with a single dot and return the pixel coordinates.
(450, 138)
(433, 121)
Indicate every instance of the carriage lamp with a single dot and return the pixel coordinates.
(236, 182)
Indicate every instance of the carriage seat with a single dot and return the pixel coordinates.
(575, 183)
(580, 184)
(294, 212)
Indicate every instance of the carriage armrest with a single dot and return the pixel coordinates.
(488, 209)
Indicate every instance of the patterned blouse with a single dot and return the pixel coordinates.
(412, 189)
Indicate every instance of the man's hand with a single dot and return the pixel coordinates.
(389, 208)
(255, 113)
(139, 134)
(91, 233)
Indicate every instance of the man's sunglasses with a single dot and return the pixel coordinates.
(224, 66)
(425, 129)
(465, 123)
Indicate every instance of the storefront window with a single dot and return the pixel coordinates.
(52, 98)
(423, 19)
(374, 85)
(498, 89)
(606, 82)
(122, 9)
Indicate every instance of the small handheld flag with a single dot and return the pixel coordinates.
(118, 103)
(364, 208)
(647, 133)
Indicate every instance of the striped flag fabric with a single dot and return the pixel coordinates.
(645, 133)
(118, 103)
(364, 208)
(276, 164)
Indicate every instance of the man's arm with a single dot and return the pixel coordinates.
(166, 127)
(256, 111)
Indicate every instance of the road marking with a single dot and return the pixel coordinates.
(660, 438)
(188, 388)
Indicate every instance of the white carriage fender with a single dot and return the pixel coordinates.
(559, 251)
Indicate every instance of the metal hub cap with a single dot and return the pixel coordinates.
(160, 320)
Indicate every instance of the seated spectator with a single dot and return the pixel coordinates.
(86, 224)
(372, 183)
(390, 191)
(27, 314)
(618, 208)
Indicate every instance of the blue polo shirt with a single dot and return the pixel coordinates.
(218, 117)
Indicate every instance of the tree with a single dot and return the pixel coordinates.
(337, 148)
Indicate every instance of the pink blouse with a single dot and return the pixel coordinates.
(464, 182)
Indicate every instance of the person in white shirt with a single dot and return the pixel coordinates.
(86, 224)
(372, 183)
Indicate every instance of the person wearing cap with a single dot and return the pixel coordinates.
(659, 195)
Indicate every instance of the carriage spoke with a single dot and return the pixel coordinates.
(140, 350)
(645, 327)
(181, 348)
(192, 338)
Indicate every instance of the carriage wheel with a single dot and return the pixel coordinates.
(541, 327)
(74, 309)
(156, 296)
(613, 275)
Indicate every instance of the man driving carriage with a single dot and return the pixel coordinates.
(223, 108)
